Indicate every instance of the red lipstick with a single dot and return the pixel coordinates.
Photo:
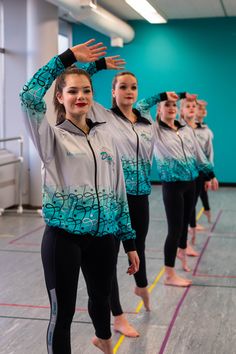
(81, 104)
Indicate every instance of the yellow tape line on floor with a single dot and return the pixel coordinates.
(151, 287)
(199, 214)
(138, 308)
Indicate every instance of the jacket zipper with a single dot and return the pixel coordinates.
(137, 151)
(182, 144)
(95, 181)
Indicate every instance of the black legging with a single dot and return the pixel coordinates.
(204, 198)
(63, 254)
(139, 215)
(199, 181)
(178, 199)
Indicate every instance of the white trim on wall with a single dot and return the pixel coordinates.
(2, 73)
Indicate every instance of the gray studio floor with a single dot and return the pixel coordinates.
(197, 320)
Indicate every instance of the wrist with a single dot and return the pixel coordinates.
(68, 57)
(101, 64)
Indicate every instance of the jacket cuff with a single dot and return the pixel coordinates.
(163, 96)
(67, 58)
(182, 95)
(211, 175)
(129, 245)
(101, 64)
(208, 176)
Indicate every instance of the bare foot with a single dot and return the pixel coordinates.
(200, 227)
(105, 345)
(175, 280)
(190, 251)
(208, 215)
(122, 325)
(181, 254)
(144, 294)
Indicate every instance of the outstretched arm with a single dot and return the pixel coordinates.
(106, 63)
(35, 89)
(33, 92)
(146, 104)
(88, 52)
(115, 62)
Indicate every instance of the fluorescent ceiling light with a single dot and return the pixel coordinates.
(146, 10)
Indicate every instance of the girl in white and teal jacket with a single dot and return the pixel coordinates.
(84, 199)
(205, 137)
(188, 112)
(179, 160)
(134, 136)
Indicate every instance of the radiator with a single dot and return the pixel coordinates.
(8, 179)
(11, 179)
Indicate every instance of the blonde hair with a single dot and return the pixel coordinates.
(182, 104)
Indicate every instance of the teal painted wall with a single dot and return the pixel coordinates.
(197, 56)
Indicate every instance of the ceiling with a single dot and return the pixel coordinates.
(112, 27)
(174, 9)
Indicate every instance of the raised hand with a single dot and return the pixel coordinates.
(191, 96)
(86, 52)
(202, 102)
(172, 96)
(115, 62)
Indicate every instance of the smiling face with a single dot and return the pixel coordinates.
(168, 110)
(125, 90)
(76, 96)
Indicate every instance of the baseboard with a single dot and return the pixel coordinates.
(227, 184)
(222, 184)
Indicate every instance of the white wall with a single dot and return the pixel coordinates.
(31, 39)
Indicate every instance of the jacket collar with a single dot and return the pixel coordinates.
(120, 114)
(200, 125)
(69, 126)
(176, 123)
